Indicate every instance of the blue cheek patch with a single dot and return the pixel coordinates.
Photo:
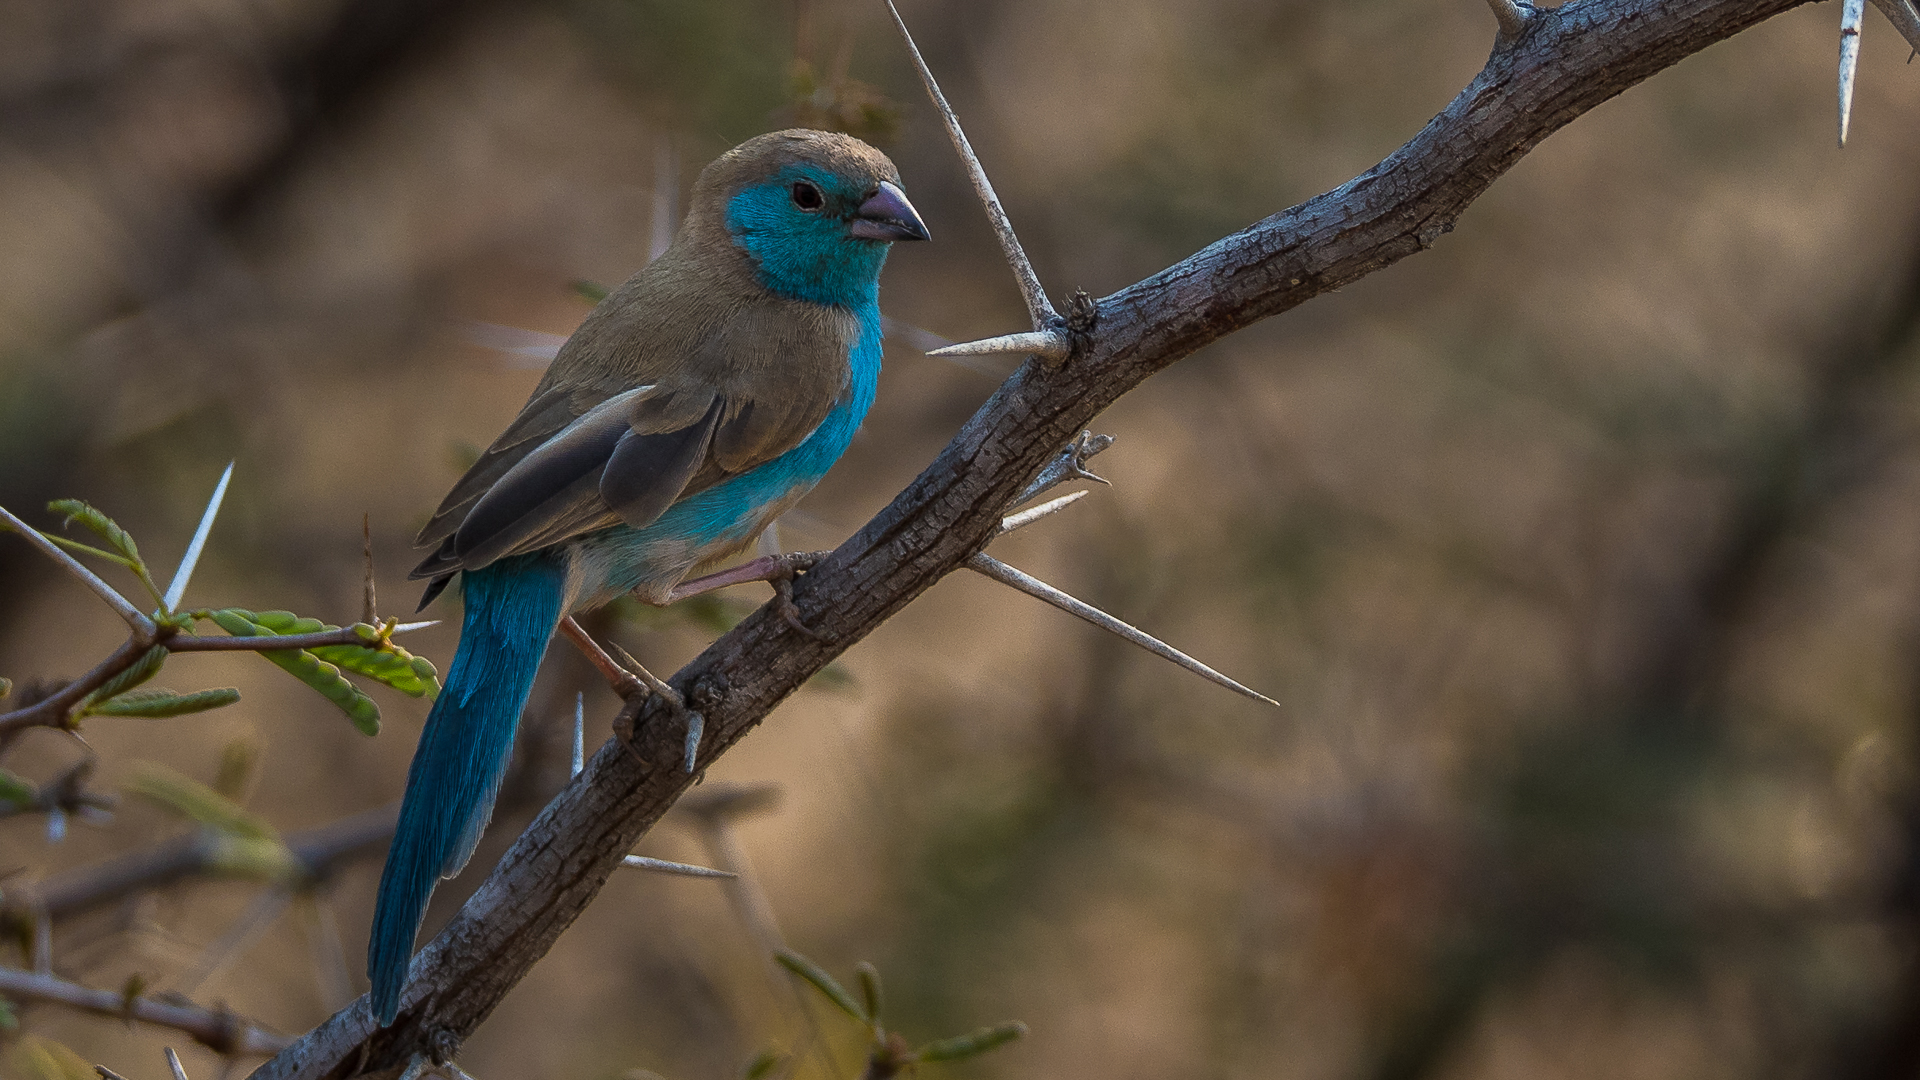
(806, 256)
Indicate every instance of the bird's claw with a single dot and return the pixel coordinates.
(791, 566)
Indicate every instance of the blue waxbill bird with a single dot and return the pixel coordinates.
(697, 403)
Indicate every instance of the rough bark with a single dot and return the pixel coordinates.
(1566, 61)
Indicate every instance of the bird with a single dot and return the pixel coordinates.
(694, 405)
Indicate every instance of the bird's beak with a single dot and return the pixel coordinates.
(887, 215)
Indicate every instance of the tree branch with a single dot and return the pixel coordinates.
(1572, 58)
(223, 1031)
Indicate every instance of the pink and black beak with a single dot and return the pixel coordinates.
(887, 215)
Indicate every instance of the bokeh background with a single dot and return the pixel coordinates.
(1582, 550)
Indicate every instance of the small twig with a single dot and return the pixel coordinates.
(1034, 587)
(66, 794)
(1069, 464)
(1904, 17)
(1852, 14)
(1046, 509)
(319, 851)
(221, 1031)
(1511, 15)
(346, 635)
(1039, 308)
(680, 869)
(178, 587)
(368, 604)
(173, 1062)
(142, 626)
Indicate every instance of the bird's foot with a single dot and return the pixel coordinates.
(776, 570)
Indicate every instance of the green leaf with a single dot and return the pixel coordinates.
(194, 800)
(140, 671)
(326, 679)
(286, 622)
(8, 1021)
(6, 687)
(263, 859)
(302, 664)
(821, 981)
(103, 526)
(966, 1046)
(17, 790)
(592, 290)
(392, 665)
(158, 703)
(762, 1064)
(869, 989)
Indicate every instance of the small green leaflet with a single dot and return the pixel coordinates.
(301, 664)
(155, 702)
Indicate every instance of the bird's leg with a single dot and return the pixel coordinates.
(630, 677)
(777, 570)
(624, 683)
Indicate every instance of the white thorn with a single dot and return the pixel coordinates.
(191, 559)
(409, 627)
(1027, 517)
(579, 732)
(662, 866)
(173, 1062)
(1047, 343)
(1039, 308)
(1006, 575)
(1852, 13)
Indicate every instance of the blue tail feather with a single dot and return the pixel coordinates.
(512, 608)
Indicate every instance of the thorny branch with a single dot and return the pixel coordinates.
(1571, 59)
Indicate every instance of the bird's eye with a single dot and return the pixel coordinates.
(807, 197)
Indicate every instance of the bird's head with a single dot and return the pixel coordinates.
(814, 210)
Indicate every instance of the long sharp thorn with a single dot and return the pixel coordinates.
(142, 625)
(173, 1063)
(178, 587)
(1034, 587)
(1904, 17)
(1039, 308)
(1046, 509)
(1852, 13)
(416, 1068)
(579, 731)
(409, 627)
(662, 866)
(1047, 343)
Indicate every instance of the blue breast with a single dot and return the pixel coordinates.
(727, 516)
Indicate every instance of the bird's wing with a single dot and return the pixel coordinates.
(625, 460)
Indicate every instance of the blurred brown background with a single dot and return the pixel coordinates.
(1582, 549)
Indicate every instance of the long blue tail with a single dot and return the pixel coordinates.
(512, 608)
